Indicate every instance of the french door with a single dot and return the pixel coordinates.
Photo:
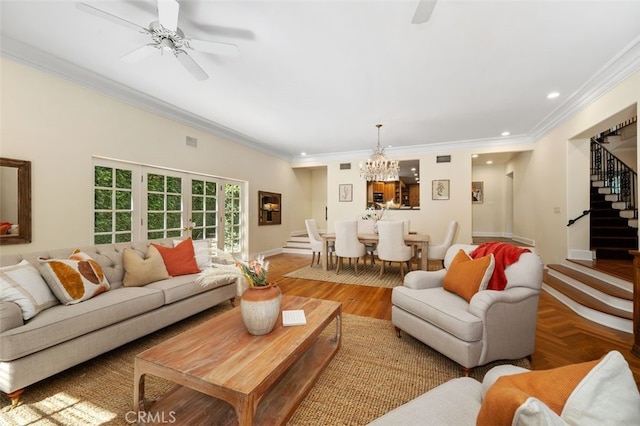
(139, 202)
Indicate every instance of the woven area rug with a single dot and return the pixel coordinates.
(369, 276)
(372, 373)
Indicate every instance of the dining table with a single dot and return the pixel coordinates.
(418, 241)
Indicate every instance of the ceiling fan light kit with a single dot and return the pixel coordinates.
(166, 36)
(379, 168)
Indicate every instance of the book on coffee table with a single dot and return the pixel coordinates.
(293, 317)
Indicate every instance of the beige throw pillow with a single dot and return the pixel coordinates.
(139, 272)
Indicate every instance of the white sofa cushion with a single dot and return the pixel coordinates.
(607, 395)
(455, 402)
(23, 285)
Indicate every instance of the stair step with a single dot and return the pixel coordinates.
(613, 253)
(297, 250)
(585, 299)
(613, 231)
(633, 223)
(593, 282)
(628, 214)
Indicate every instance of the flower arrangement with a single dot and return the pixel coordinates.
(255, 271)
(372, 214)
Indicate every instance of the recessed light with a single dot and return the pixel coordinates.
(303, 153)
(553, 95)
(505, 133)
(489, 162)
(474, 155)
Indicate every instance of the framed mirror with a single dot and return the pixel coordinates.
(403, 194)
(269, 208)
(15, 201)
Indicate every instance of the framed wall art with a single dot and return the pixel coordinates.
(477, 192)
(269, 206)
(440, 189)
(345, 192)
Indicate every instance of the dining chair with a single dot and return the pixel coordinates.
(438, 251)
(347, 244)
(368, 227)
(316, 243)
(391, 245)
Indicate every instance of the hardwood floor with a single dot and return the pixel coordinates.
(563, 337)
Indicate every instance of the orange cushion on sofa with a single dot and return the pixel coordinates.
(179, 260)
(466, 276)
(552, 387)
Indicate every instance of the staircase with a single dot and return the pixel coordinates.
(298, 243)
(592, 294)
(614, 213)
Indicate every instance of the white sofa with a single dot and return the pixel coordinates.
(606, 395)
(65, 335)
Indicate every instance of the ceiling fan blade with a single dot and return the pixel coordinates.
(214, 47)
(191, 65)
(139, 54)
(423, 11)
(105, 15)
(168, 11)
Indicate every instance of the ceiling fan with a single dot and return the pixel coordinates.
(166, 36)
(423, 11)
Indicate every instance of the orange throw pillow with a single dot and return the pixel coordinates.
(466, 276)
(179, 260)
(552, 387)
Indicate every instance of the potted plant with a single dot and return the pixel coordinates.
(260, 302)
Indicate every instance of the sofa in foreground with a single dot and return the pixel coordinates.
(596, 393)
(61, 307)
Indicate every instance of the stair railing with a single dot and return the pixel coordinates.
(584, 213)
(615, 174)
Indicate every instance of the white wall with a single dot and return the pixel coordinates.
(489, 216)
(59, 126)
(553, 190)
(434, 215)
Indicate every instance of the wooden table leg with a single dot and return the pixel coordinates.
(323, 254)
(138, 391)
(424, 259)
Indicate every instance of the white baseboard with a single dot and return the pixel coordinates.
(580, 255)
(524, 240)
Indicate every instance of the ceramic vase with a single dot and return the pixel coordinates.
(260, 307)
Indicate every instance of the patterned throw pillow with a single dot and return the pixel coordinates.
(23, 285)
(75, 279)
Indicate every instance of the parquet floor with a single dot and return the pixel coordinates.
(562, 337)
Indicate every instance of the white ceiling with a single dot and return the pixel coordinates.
(316, 76)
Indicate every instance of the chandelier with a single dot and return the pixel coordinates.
(378, 167)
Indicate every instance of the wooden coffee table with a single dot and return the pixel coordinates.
(227, 376)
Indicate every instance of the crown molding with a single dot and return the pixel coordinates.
(47, 63)
(517, 143)
(621, 66)
(616, 70)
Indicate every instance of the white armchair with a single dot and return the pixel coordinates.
(493, 325)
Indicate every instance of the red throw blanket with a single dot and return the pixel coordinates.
(504, 254)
